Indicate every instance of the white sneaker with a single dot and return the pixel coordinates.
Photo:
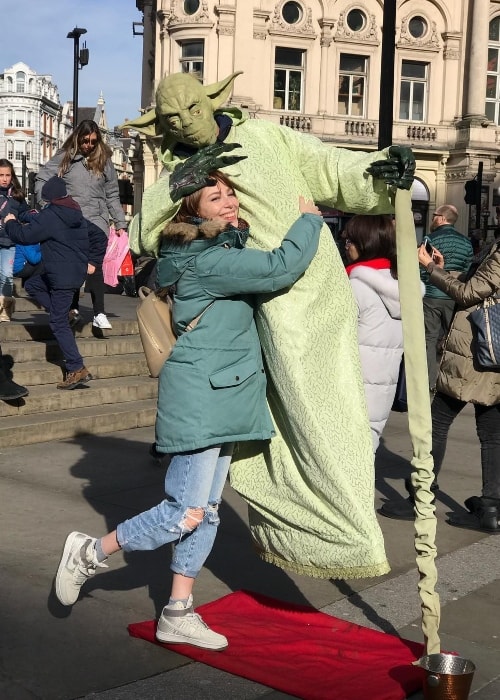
(180, 625)
(78, 563)
(101, 321)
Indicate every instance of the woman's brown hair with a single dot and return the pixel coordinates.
(374, 237)
(190, 203)
(16, 191)
(96, 161)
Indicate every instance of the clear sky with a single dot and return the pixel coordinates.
(36, 33)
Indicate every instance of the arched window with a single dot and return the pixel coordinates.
(492, 107)
(20, 81)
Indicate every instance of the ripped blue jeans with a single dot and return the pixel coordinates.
(188, 516)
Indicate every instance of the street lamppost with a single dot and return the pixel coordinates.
(80, 59)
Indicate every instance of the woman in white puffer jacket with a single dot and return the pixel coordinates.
(370, 243)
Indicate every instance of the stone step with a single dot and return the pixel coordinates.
(25, 304)
(39, 350)
(60, 425)
(35, 373)
(47, 398)
(37, 328)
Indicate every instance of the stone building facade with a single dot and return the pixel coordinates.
(34, 125)
(315, 66)
(31, 118)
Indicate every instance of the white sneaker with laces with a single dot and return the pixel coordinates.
(180, 625)
(78, 563)
(101, 321)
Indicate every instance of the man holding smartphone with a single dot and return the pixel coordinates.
(438, 307)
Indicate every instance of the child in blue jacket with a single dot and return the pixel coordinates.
(27, 261)
(63, 234)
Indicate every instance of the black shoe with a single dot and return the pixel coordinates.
(398, 510)
(476, 504)
(484, 521)
(10, 391)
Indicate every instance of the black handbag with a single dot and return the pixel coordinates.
(485, 322)
(400, 403)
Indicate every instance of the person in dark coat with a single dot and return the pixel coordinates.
(84, 162)
(438, 306)
(63, 233)
(212, 394)
(462, 381)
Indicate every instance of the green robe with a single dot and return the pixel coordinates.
(310, 491)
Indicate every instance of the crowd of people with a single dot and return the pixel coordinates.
(57, 250)
(235, 375)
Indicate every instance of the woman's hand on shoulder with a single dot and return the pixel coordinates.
(307, 206)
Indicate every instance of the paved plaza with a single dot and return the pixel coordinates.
(90, 483)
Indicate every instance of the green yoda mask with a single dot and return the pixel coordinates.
(184, 110)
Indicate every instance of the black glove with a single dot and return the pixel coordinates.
(397, 170)
(193, 173)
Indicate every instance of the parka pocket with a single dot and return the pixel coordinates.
(233, 375)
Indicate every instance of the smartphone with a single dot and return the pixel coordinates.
(428, 246)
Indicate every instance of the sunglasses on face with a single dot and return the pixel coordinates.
(88, 140)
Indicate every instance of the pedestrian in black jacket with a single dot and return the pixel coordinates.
(63, 234)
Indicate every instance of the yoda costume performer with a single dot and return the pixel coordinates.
(310, 491)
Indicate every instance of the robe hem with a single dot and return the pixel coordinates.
(337, 572)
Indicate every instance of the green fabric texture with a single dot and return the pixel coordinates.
(419, 418)
(310, 490)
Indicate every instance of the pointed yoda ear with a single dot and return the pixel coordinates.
(146, 124)
(218, 93)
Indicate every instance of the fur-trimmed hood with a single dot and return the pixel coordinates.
(182, 241)
(186, 232)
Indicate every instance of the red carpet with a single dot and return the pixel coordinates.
(302, 652)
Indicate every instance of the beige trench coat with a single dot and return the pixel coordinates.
(459, 375)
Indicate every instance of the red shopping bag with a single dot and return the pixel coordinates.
(127, 266)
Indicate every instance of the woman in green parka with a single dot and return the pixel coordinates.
(212, 393)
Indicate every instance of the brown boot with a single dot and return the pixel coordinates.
(7, 305)
(75, 379)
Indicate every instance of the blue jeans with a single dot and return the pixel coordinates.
(58, 303)
(6, 267)
(193, 480)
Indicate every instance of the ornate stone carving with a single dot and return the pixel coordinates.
(227, 15)
(451, 46)
(456, 174)
(430, 41)
(201, 16)
(301, 28)
(368, 36)
(326, 31)
(260, 21)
